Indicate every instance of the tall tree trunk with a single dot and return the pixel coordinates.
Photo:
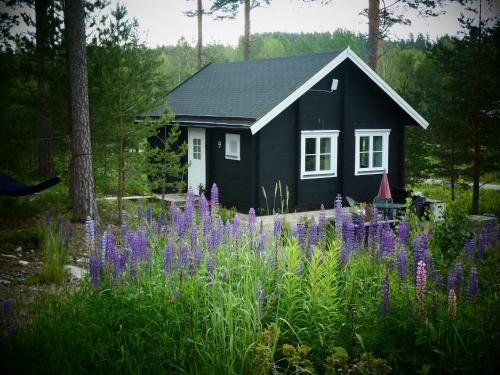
(373, 32)
(82, 180)
(476, 127)
(199, 14)
(45, 159)
(246, 38)
(121, 166)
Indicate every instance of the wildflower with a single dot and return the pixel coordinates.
(148, 214)
(95, 268)
(404, 232)
(235, 228)
(183, 256)
(384, 294)
(277, 226)
(402, 264)
(387, 241)
(339, 210)
(210, 268)
(482, 242)
(90, 232)
(458, 276)
(252, 220)
(168, 257)
(347, 240)
(203, 206)
(301, 235)
(135, 256)
(262, 240)
(313, 234)
(322, 223)
(421, 282)
(206, 225)
(468, 250)
(339, 218)
(214, 199)
(197, 258)
(451, 281)
(8, 305)
(190, 195)
(473, 287)
(260, 296)
(188, 214)
(452, 304)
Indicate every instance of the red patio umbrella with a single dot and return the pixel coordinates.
(384, 190)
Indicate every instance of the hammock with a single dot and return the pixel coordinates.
(13, 188)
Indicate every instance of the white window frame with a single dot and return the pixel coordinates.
(318, 134)
(233, 137)
(384, 133)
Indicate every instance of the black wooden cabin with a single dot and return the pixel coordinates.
(322, 124)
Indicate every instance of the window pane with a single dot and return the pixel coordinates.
(377, 159)
(364, 144)
(377, 143)
(363, 160)
(310, 163)
(310, 145)
(325, 145)
(325, 162)
(233, 146)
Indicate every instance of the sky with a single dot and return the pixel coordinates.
(163, 21)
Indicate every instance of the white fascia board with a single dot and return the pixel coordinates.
(264, 120)
(387, 89)
(347, 53)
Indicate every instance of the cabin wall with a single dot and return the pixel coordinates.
(277, 161)
(320, 110)
(235, 178)
(366, 106)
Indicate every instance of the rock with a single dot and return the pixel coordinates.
(24, 262)
(75, 271)
(9, 256)
(19, 249)
(4, 282)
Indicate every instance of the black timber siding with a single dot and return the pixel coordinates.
(277, 160)
(319, 110)
(235, 178)
(366, 106)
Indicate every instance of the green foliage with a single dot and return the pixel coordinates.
(339, 363)
(54, 251)
(227, 214)
(265, 349)
(165, 156)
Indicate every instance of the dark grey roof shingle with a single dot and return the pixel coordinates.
(245, 89)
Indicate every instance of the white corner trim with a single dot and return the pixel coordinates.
(388, 89)
(346, 53)
(264, 120)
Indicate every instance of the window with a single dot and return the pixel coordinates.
(372, 151)
(197, 148)
(233, 146)
(318, 154)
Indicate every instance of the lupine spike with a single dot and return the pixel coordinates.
(384, 294)
(214, 199)
(473, 286)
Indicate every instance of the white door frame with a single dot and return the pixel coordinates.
(197, 174)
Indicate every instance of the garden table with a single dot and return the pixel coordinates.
(389, 207)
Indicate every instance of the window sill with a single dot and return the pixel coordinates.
(317, 175)
(369, 171)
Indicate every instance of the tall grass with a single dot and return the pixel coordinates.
(54, 241)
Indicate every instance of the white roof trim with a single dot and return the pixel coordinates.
(347, 53)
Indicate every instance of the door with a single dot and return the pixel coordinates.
(196, 159)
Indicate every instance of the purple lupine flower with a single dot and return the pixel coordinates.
(262, 240)
(313, 234)
(203, 206)
(123, 260)
(168, 257)
(438, 282)
(473, 286)
(451, 280)
(482, 242)
(301, 235)
(124, 233)
(384, 296)
(95, 267)
(260, 296)
(135, 256)
(322, 223)
(183, 256)
(252, 221)
(197, 258)
(188, 214)
(468, 250)
(235, 228)
(206, 225)
(387, 241)
(148, 214)
(46, 218)
(295, 233)
(421, 282)
(8, 306)
(277, 226)
(110, 245)
(452, 304)
(181, 224)
(90, 232)
(339, 218)
(218, 231)
(194, 238)
(214, 199)
(339, 210)
(402, 264)
(190, 195)
(403, 232)
(347, 240)
(210, 268)
(458, 276)
(67, 234)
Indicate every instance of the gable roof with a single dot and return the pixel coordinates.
(251, 93)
